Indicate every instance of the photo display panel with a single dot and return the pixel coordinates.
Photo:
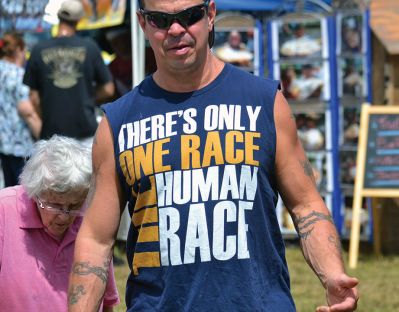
(300, 57)
(351, 52)
(237, 41)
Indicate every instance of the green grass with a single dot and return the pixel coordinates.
(379, 283)
(121, 274)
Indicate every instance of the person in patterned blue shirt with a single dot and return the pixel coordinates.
(19, 123)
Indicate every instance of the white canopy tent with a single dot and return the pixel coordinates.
(138, 46)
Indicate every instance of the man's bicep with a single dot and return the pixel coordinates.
(105, 198)
(294, 172)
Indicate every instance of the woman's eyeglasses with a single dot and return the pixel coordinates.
(59, 209)
(186, 18)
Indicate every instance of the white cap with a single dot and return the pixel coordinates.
(71, 11)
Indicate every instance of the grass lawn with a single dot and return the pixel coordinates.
(379, 283)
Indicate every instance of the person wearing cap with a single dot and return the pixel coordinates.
(301, 44)
(39, 221)
(351, 35)
(200, 150)
(67, 77)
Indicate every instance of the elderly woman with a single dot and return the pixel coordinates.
(39, 221)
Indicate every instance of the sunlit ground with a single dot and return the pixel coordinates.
(379, 283)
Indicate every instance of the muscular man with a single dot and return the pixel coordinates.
(200, 150)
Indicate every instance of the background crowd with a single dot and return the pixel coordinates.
(48, 117)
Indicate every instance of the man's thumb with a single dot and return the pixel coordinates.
(348, 282)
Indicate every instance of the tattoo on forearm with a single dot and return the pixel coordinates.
(76, 293)
(99, 302)
(336, 242)
(305, 225)
(308, 170)
(84, 268)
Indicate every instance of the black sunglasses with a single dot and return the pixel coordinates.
(186, 18)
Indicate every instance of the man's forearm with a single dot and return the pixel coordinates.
(35, 99)
(319, 241)
(88, 282)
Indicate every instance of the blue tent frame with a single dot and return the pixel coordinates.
(269, 5)
(247, 5)
(333, 107)
(277, 8)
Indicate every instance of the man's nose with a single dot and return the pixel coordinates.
(176, 28)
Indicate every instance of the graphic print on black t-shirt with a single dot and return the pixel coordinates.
(65, 64)
(195, 181)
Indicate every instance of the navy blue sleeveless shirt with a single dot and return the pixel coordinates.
(198, 171)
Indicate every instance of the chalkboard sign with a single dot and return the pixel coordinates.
(377, 164)
(382, 156)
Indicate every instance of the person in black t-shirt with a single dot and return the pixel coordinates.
(67, 77)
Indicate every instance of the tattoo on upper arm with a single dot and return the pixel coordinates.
(92, 190)
(308, 169)
(75, 294)
(96, 168)
(95, 141)
(305, 225)
(84, 268)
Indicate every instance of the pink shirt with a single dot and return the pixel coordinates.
(34, 267)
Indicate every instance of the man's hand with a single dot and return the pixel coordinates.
(342, 295)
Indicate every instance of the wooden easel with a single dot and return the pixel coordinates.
(383, 188)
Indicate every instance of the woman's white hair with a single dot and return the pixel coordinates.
(59, 164)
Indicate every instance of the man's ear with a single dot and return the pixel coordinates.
(211, 14)
(142, 23)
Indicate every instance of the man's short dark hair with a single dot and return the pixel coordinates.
(141, 4)
(70, 23)
(211, 33)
